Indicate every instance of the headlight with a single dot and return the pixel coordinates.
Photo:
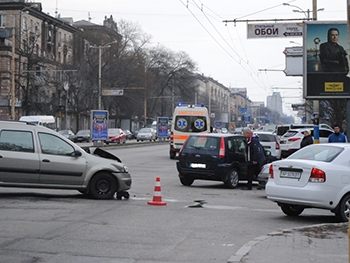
(125, 169)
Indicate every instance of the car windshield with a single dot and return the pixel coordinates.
(289, 134)
(113, 131)
(145, 130)
(322, 153)
(63, 132)
(266, 137)
(83, 132)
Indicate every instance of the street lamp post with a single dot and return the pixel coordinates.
(100, 48)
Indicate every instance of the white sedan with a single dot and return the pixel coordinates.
(316, 176)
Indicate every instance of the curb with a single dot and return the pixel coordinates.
(245, 249)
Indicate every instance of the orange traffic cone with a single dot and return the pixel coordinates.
(157, 197)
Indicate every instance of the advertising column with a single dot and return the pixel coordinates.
(99, 126)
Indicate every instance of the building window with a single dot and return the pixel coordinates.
(38, 71)
(24, 23)
(2, 21)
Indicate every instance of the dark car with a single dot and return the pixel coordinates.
(214, 156)
(82, 136)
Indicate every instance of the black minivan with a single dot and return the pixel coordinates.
(214, 156)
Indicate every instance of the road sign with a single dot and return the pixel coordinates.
(112, 92)
(268, 30)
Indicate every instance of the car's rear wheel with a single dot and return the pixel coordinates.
(102, 186)
(186, 181)
(292, 210)
(232, 179)
(343, 209)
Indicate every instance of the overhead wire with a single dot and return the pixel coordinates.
(245, 65)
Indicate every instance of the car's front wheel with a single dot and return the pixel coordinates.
(232, 179)
(292, 210)
(102, 186)
(186, 181)
(343, 209)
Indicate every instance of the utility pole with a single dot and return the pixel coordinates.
(13, 69)
(316, 103)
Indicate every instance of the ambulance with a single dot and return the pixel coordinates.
(187, 119)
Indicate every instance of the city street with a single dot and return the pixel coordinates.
(38, 225)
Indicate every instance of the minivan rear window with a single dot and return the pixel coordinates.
(203, 142)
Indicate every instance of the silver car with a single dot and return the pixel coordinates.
(146, 134)
(37, 157)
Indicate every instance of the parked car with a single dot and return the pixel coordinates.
(33, 156)
(146, 134)
(116, 135)
(316, 176)
(282, 129)
(290, 141)
(270, 142)
(263, 176)
(67, 133)
(214, 156)
(134, 134)
(82, 136)
(128, 134)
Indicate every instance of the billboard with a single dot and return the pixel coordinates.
(163, 127)
(99, 125)
(326, 66)
(268, 30)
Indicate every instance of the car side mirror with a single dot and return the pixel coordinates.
(77, 153)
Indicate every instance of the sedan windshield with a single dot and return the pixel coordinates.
(145, 130)
(322, 153)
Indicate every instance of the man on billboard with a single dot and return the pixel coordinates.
(326, 68)
(332, 55)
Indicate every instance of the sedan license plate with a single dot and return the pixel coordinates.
(290, 174)
(197, 165)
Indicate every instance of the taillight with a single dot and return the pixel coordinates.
(293, 139)
(171, 137)
(317, 176)
(271, 171)
(222, 148)
(277, 145)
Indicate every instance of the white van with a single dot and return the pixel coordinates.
(187, 119)
(44, 120)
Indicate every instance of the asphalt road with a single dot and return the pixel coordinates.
(39, 225)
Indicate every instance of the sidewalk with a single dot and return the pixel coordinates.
(317, 244)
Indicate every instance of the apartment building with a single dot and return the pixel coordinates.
(34, 49)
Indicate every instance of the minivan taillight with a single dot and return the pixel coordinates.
(222, 148)
(317, 176)
(271, 171)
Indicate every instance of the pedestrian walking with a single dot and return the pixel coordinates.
(255, 156)
(337, 136)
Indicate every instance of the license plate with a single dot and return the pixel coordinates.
(290, 174)
(197, 165)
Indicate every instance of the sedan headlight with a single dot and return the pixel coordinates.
(125, 169)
